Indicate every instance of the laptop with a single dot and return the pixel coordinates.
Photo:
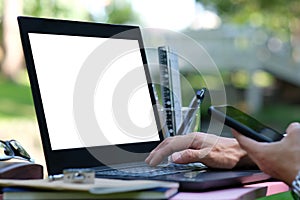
(95, 104)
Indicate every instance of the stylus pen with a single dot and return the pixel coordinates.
(191, 113)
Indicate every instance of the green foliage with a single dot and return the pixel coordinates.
(56, 8)
(120, 12)
(278, 16)
(279, 115)
(1, 7)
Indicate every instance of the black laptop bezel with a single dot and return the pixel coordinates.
(57, 160)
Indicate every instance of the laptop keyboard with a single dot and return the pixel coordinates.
(147, 171)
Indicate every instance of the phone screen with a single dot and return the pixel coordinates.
(246, 124)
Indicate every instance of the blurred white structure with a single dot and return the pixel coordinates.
(233, 48)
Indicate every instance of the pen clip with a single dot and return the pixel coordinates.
(200, 94)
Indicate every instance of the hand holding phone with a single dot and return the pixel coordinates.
(244, 123)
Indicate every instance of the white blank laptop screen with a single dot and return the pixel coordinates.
(58, 60)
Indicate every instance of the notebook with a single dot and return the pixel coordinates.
(95, 103)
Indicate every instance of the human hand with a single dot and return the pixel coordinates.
(281, 159)
(211, 150)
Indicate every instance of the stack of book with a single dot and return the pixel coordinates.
(101, 189)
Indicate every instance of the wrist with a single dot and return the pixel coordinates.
(296, 187)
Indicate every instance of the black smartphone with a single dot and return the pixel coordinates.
(244, 123)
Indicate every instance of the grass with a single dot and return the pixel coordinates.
(15, 100)
(17, 117)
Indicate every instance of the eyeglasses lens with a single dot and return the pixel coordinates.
(5, 152)
(19, 150)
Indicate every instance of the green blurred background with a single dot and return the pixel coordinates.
(255, 44)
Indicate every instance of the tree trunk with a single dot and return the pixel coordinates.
(13, 57)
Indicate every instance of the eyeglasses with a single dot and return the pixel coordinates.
(13, 149)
